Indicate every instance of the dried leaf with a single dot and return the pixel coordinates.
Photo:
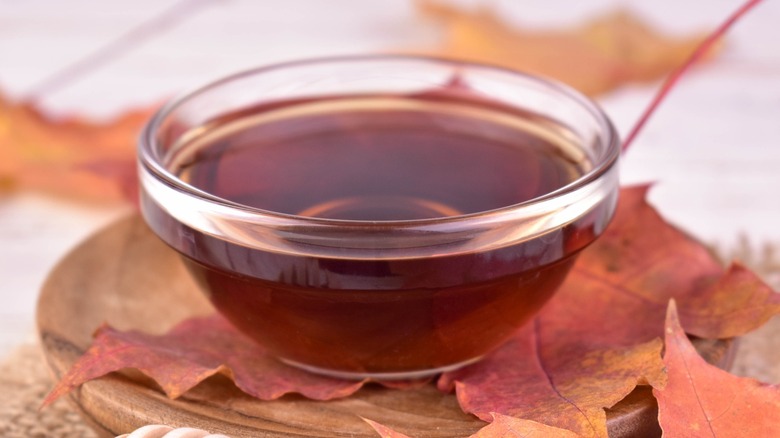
(193, 351)
(71, 157)
(594, 340)
(384, 431)
(702, 400)
(569, 392)
(594, 58)
(738, 303)
(503, 426)
(626, 278)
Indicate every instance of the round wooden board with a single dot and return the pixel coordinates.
(125, 276)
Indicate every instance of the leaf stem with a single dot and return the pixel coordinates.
(672, 79)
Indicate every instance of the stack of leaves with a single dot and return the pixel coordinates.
(94, 161)
(591, 345)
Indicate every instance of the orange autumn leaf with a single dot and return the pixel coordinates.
(596, 57)
(71, 157)
(703, 401)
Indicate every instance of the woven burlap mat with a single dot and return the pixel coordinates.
(24, 382)
(24, 378)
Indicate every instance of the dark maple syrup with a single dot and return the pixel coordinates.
(380, 159)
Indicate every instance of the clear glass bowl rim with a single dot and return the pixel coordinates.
(149, 160)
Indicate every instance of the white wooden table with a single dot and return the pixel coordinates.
(713, 148)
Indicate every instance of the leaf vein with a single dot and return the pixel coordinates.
(540, 362)
(688, 374)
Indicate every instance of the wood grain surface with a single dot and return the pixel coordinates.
(125, 276)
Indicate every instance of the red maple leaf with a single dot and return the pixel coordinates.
(704, 401)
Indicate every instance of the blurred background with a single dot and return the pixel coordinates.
(711, 150)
